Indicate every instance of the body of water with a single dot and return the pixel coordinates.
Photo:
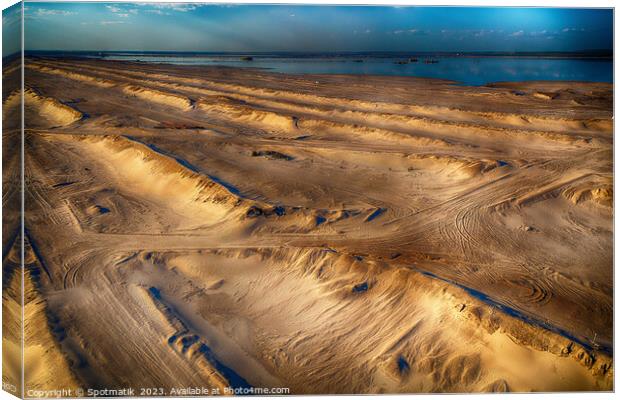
(465, 70)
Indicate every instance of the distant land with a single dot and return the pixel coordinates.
(580, 54)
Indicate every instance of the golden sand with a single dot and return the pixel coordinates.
(212, 227)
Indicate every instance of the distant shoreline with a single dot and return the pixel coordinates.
(516, 84)
(589, 55)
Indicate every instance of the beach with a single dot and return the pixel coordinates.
(194, 226)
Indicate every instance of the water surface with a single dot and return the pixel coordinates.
(465, 70)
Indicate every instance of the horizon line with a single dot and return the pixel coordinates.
(332, 51)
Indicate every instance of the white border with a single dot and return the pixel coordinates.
(479, 3)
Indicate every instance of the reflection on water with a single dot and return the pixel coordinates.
(467, 70)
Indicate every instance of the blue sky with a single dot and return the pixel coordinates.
(11, 29)
(245, 28)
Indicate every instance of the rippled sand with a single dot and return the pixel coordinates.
(195, 226)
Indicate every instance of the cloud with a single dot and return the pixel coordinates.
(539, 33)
(12, 17)
(111, 22)
(43, 12)
(483, 32)
(462, 34)
(158, 12)
(411, 31)
(184, 8)
(568, 29)
(181, 7)
(120, 12)
(543, 34)
(114, 9)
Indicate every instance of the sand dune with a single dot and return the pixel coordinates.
(43, 333)
(158, 97)
(382, 112)
(11, 319)
(324, 291)
(43, 111)
(220, 227)
(11, 223)
(162, 178)
(244, 92)
(72, 75)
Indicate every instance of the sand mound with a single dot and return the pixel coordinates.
(261, 119)
(295, 296)
(386, 125)
(290, 124)
(158, 97)
(545, 95)
(97, 210)
(549, 124)
(603, 125)
(166, 179)
(11, 321)
(599, 191)
(444, 166)
(439, 119)
(41, 111)
(180, 338)
(11, 69)
(43, 336)
(104, 83)
(458, 168)
(455, 167)
(361, 132)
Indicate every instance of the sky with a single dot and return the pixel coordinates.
(267, 28)
(11, 30)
